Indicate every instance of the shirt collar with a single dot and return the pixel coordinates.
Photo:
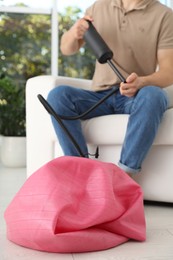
(141, 5)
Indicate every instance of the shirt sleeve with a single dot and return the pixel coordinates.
(166, 32)
(90, 10)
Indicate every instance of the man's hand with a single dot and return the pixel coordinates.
(162, 78)
(72, 40)
(132, 85)
(80, 27)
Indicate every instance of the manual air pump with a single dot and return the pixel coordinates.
(103, 55)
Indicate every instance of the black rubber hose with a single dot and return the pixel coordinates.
(51, 111)
(47, 106)
(59, 118)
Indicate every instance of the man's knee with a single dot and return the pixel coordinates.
(56, 93)
(154, 96)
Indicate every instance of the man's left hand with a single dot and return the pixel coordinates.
(132, 85)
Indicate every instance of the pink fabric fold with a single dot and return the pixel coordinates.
(74, 204)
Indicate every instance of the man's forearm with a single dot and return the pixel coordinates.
(69, 45)
(72, 40)
(162, 78)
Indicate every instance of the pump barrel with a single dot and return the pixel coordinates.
(100, 49)
(97, 44)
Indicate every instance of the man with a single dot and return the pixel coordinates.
(139, 32)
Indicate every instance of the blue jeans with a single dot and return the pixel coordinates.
(145, 109)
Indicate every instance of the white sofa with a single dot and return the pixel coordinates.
(107, 132)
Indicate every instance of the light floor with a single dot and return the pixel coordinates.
(159, 244)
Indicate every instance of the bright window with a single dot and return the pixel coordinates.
(30, 34)
(167, 2)
(29, 39)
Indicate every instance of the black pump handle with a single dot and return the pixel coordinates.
(97, 44)
(101, 50)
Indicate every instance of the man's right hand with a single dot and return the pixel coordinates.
(80, 27)
(72, 40)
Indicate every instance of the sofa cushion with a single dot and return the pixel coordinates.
(115, 127)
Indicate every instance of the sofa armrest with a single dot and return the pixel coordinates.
(38, 124)
(169, 91)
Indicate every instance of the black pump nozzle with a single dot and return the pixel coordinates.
(101, 50)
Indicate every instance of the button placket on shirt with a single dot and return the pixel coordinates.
(123, 21)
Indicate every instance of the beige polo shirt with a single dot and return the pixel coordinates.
(134, 37)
